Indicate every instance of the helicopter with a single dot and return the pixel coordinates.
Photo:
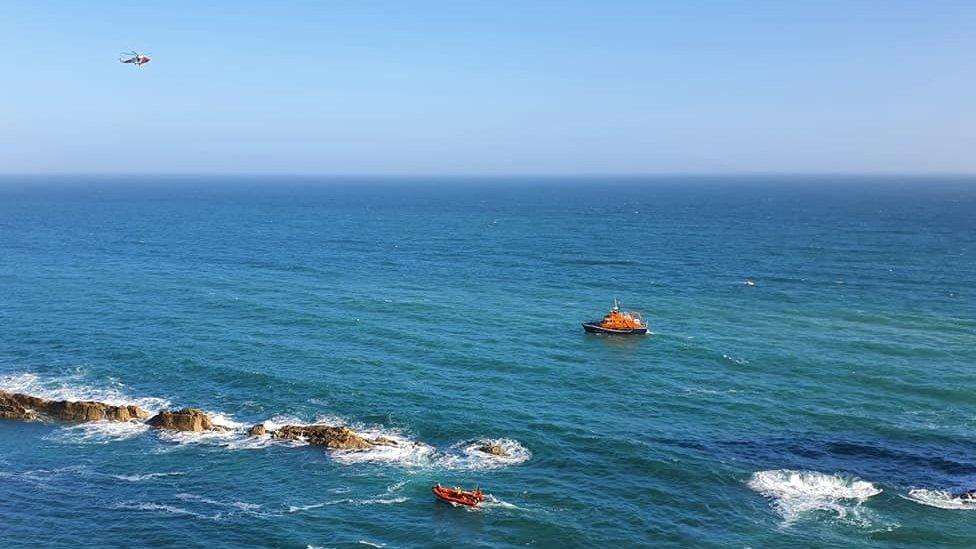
(136, 58)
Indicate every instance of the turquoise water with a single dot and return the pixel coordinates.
(808, 409)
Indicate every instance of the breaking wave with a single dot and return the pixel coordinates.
(404, 452)
(227, 438)
(72, 386)
(941, 499)
(467, 456)
(797, 492)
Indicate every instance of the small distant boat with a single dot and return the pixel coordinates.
(749, 282)
(618, 322)
(471, 498)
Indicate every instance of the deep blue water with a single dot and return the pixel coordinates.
(801, 411)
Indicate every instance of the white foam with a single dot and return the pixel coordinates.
(467, 456)
(406, 452)
(300, 508)
(98, 432)
(279, 421)
(149, 506)
(797, 492)
(231, 436)
(491, 502)
(225, 421)
(73, 387)
(215, 438)
(146, 476)
(241, 505)
(40, 476)
(243, 442)
(737, 360)
(940, 499)
(377, 501)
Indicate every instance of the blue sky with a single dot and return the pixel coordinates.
(497, 87)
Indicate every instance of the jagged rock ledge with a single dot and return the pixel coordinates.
(329, 436)
(20, 406)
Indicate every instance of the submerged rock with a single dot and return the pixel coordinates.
(493, 449)
(187, 419)
(336, 438)
(20, 406)
(257, 430)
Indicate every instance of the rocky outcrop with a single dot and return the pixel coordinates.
(493, 449)
(187, 419)
(19, 406)
(336, 438)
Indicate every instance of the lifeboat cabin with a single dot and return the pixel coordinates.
(618, 322)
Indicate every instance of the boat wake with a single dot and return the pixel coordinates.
(491, 502)
(940, 499)
(349, 501)
(795, 493)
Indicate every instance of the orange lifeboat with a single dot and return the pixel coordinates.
(471, 498)
(618, 322)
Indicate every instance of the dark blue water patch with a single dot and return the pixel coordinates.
(935, 464)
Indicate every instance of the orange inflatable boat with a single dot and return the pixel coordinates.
(458, 496)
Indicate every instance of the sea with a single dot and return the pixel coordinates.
(809, 379)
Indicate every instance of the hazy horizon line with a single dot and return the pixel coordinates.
(479, 175)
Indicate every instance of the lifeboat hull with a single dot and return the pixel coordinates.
(595, 328)
(470, 499)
